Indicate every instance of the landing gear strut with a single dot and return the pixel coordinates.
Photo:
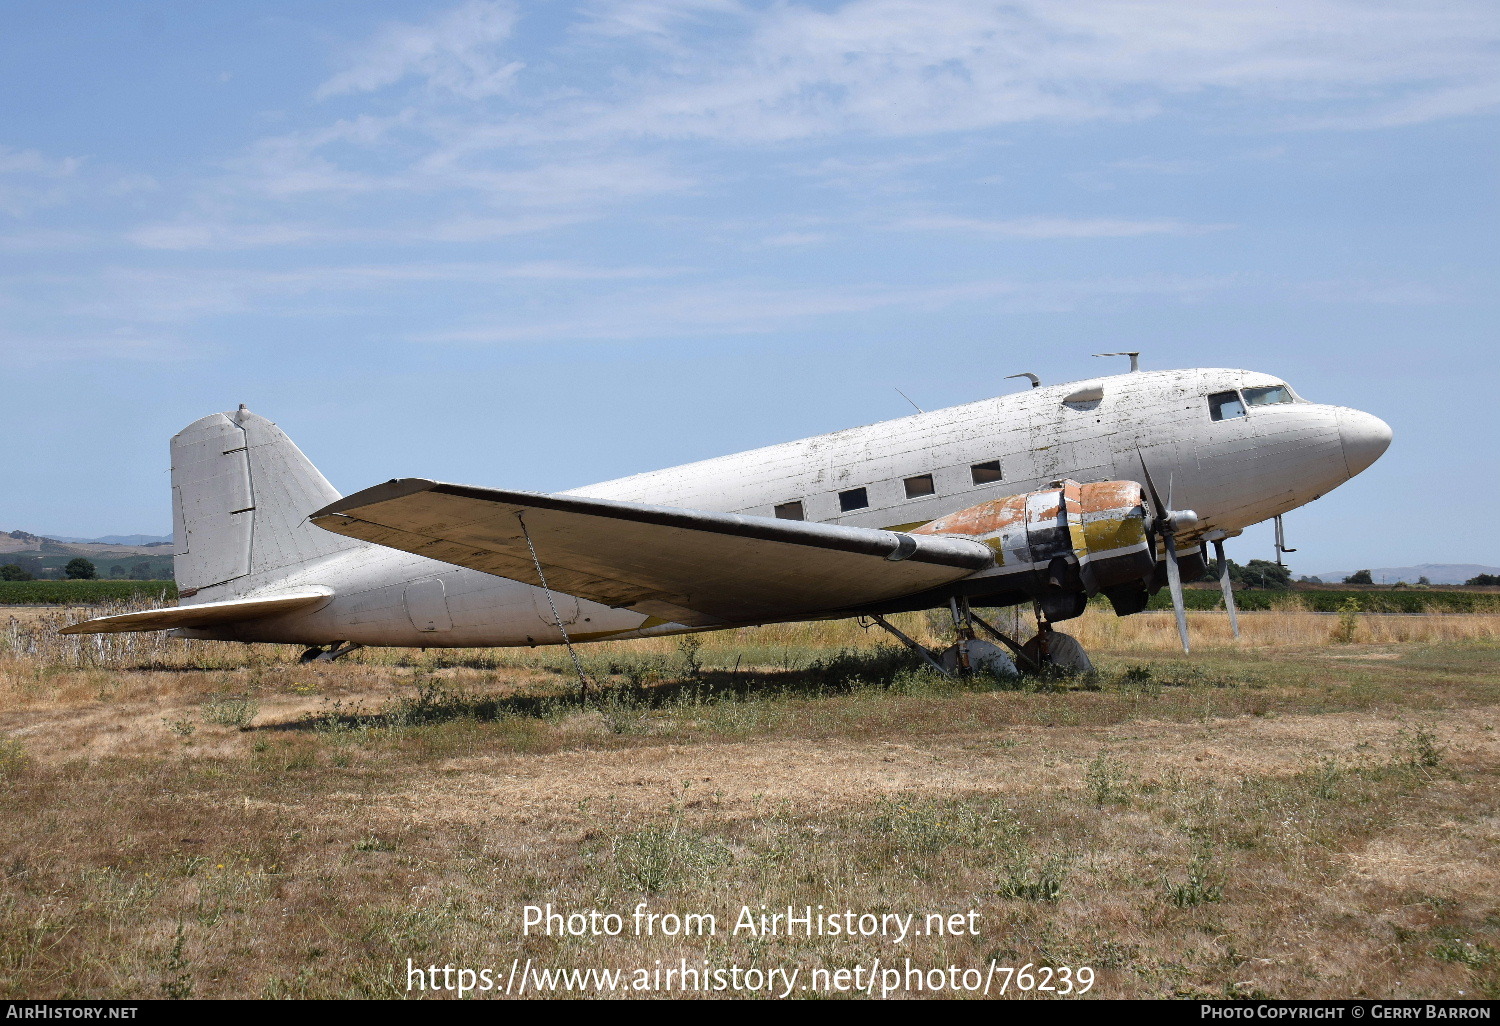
(337, 650)
(920, 650)
(970, 654)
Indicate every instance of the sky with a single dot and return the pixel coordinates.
(538, 244)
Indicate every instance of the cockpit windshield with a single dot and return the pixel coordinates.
(1225, 406)
(1268, 395)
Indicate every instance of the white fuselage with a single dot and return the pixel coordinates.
(1257, 462)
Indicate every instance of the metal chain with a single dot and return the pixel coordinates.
(583, 681)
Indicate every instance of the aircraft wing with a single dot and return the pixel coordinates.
(203, 614)
(685, 566)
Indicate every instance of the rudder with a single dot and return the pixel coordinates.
(241, 492)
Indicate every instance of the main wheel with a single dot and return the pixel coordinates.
(1063, 650)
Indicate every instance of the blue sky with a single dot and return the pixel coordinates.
(539, 244)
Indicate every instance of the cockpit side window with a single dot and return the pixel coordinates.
(1225, 406)
(1268, 395)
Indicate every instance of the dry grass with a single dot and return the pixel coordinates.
(1283, 815)
(1284, 628)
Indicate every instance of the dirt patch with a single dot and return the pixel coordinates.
(742, 778)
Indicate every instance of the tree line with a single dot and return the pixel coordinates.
(79, 569)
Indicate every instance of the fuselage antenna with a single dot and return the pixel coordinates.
(1036, 382)
(908, 399)
(1135, 359)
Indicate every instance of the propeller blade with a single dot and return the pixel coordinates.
(1174, 582)
(1168, 530)
(1159, 511)
(1227, 587)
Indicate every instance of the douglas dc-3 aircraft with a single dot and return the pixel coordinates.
(1047, 496)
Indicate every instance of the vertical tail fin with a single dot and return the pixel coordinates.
(241, 492)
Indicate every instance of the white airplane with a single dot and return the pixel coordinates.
(1047, 496)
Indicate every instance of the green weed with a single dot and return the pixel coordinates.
(1348, 622)
(230, 712)
(1029, 878)
(658, 857)
(1418, 748)
(1204, 884)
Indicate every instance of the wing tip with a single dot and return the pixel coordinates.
(395, 488)
(228, 611)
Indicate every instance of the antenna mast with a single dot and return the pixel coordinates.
(1135, 359)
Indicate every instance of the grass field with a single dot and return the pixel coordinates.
(1313, 810)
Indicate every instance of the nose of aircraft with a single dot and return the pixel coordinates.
(1365, 438)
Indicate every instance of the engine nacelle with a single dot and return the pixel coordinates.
(1066, 543)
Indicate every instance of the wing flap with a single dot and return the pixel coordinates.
(689, 566)
(204, 614)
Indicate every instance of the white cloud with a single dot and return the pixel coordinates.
(795, 239)
(219, 235)
(1159, 166)
(31, 350)
(209, 233)
(636, 74)
(180, 295)
(1058, 227)
(1381, 293)
(661, 22)
(485, 229)
(290, 165)
(730, 309)
(1416, 109)
(394, 154)
(45, 239)
(464, 153)
(29, 179)
(34, 164)
(916, 67)
(455, 54)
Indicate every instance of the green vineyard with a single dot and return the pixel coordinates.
(83, 593)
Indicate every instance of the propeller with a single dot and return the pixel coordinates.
(1226, 587)
(1166, 521)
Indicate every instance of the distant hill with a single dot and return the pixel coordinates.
(25, 541)
(119, 539)
(1436, 573)
(45, 558)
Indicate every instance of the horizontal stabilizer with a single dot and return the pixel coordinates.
(686, 566)
(203, 615)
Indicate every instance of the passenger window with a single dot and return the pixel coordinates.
(985, 473)
(918, 486)
(1225, 406)
(854, 498)
(1268, 395)
(790, 511)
